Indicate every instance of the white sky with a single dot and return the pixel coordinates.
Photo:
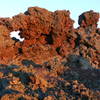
(16, 34)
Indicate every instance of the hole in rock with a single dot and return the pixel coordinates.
(58, 50)
(20, 50)
(77, 41)
(48, 67)
(15, 36)
(49, 38)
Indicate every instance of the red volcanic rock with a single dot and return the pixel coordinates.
(40, 27)
(88, 19)
(54, 59)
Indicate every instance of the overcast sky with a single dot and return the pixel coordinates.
(10, 8)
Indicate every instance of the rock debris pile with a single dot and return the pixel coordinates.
(55, 61)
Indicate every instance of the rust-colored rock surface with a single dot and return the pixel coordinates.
(55, 61)
(88, 18)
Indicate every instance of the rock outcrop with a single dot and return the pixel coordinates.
(55, 60)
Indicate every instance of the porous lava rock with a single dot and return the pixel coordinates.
(55, 61)
(88, 18)
(40, 27)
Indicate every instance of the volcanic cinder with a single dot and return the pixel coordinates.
(55, 61)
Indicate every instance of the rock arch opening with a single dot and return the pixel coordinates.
(15, 36)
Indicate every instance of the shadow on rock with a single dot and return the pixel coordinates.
(3, 84)
(80, 69)
(26, 62)
(24, 78)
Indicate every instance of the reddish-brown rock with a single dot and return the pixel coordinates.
(40, 27)
(55, 60)
(88, 19)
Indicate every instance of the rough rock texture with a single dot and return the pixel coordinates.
(55, 61)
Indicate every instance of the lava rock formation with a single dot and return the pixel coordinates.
(55, 61)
